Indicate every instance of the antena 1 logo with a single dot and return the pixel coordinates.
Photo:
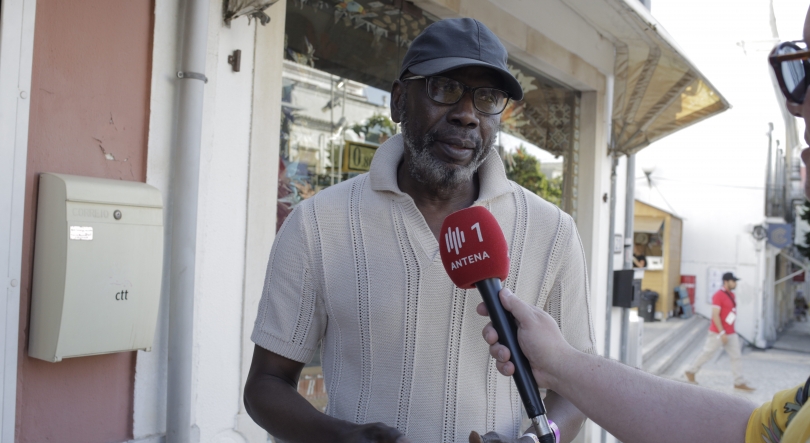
(455, 239)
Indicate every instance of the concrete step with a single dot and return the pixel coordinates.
(658, 335)
(689, 355)
(688, 352)
(677, 345)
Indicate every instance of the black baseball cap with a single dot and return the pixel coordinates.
(729, 276)
(457, 43)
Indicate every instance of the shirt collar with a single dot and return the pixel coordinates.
(383, 171)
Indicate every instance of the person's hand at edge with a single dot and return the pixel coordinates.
(539, 338)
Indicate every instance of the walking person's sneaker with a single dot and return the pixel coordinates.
(744, 387)
(690, 376)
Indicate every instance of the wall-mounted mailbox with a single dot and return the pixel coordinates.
(98, 263)
(627, 287)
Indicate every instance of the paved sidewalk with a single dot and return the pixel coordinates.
(653, 330)
(783, 366)
(795, 337)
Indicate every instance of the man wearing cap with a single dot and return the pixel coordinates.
(356, 269)
(721, 333)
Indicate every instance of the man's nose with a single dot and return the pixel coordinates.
(464, 113)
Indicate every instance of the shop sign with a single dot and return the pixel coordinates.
(357, 156)
(780, 235)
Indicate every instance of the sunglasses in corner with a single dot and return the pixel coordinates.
(789, 61)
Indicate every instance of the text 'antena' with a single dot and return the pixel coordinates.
(464, 261)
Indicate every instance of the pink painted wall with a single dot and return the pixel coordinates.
(89, 101)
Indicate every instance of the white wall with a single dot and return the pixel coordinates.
(221, 230)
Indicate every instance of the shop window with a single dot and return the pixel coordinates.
(340, 61)
(544, 126)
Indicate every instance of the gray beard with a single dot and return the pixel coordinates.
(432, 172)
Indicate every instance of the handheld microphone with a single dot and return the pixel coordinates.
(475, 255)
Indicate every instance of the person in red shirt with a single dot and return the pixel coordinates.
(721, 333)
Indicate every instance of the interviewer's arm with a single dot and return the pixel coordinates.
(272, 400)
(629, 403)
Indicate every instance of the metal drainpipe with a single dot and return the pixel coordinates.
(611, 243)
(614, 160)
(183, 198)
(629, 210)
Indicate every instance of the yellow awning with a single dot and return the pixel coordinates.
(657, 90)
(647, 224)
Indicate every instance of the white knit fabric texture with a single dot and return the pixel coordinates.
(357, 268)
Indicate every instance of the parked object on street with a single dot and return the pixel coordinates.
(646, 305)
(721, 333)
(682, 302)
(688, 283)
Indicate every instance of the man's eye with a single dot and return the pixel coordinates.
(449, 87)
(487, 97)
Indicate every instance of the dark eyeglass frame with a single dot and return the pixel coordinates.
(465, 87)
(776, 61)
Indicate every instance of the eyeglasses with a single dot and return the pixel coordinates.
(789, 61)
(447, 91)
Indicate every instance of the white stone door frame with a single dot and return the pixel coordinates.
(16, 54)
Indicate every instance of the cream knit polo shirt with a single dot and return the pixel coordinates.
(357, 268)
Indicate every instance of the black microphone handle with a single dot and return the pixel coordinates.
(506, 327)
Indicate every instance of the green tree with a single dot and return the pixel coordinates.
(376, 129)
(524, 169)
(805, 215)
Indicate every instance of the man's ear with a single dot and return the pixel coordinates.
(397, 98)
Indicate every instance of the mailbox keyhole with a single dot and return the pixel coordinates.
(117, 214)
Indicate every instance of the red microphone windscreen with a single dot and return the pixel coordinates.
(473, 247)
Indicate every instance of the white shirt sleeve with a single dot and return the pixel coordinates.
(291, 318)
